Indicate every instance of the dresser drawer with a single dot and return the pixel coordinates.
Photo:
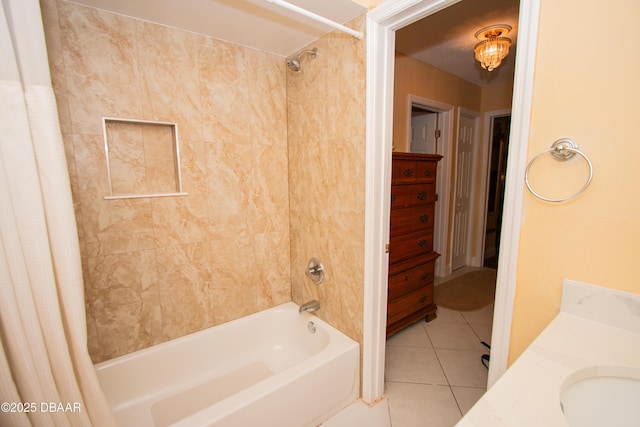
(420, 193)
(406, 171)
(411, 219)
(408, 304)
(412, 195)
(426, 171)
(410, 245)
(411, 280)
(409, 263)
(398, 196)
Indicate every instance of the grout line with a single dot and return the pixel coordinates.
(448, 382)
(445, 373)
(457, 403)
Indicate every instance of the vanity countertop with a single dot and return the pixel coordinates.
(596, 327)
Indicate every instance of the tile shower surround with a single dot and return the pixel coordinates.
(254, 141)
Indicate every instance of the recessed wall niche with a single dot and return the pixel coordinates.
(143, 158)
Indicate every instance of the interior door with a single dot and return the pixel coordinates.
(499, 149)
(423, 133)
(466, 135)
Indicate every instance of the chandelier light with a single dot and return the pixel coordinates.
(493, 47)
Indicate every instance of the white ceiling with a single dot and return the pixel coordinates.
(444, 40)
(255, 23)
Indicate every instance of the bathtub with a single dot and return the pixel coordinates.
(273, 368)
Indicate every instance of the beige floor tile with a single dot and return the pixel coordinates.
(448, 316)
(483, 332)
(467, 397)
(430, 366)
(483, 316)
(359, 414)
(453, 336)
(463, 367)
(413, 336)
(413, 365)
(420, 405)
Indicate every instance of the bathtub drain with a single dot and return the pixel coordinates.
(312, 327)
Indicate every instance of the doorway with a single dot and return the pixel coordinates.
(498, 152)
(425, 132)
(382, 22)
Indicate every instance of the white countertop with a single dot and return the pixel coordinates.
(596, 327)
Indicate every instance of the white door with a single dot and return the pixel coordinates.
(423, 133)
(466, 135)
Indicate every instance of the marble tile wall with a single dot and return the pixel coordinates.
(370, 4)
(159, 268)
(327, 141)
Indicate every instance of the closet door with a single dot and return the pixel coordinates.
(461, 215)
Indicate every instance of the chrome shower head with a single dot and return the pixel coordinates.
(294, 62)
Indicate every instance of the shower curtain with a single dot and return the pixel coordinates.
(46, 375)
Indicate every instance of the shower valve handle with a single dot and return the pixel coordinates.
(315, 271)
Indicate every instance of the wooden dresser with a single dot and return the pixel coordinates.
(411, 255)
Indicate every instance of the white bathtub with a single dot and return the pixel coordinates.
(266, 369)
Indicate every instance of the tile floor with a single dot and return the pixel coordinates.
(433, 371)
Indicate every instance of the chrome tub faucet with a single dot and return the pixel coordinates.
(310, 307)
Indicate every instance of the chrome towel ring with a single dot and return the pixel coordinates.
(562, 150)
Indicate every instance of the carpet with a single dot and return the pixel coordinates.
(469, 292)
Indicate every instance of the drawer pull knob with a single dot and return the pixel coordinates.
(425, 276)
(428, 172)
(408, 172)
(393, 198)
(422, 195)
(424, 218)
(423, 243)
(423, 299)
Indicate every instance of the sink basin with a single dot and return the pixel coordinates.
(602, 396)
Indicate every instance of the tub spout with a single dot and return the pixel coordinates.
(309, 307)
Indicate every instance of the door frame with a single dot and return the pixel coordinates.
(382, 22)
(483, 191)
(443, 184)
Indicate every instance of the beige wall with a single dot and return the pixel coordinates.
(327, 141)
(497, 96)
(159, 268)
(423, 80)
(586, 88)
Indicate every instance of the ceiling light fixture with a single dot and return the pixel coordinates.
(493, 47)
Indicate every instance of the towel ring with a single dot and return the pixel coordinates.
(562, 150)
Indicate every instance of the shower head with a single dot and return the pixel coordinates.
(294, 62)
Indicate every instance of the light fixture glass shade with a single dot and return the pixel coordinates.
(492, 51)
